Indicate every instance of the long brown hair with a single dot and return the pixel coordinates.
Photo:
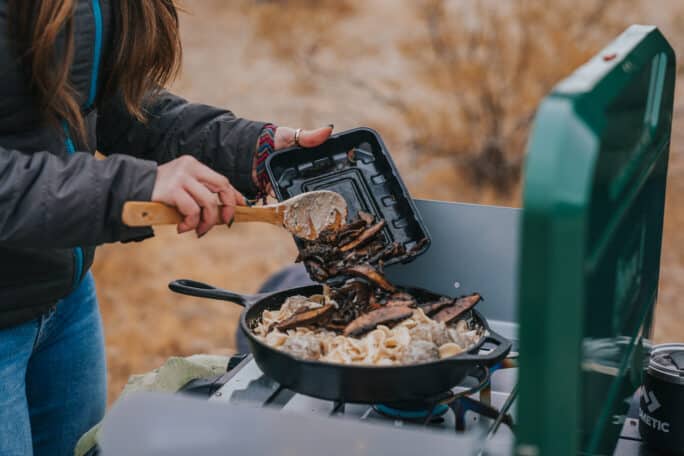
(144, 55)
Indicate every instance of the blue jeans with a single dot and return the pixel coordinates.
(53, 382)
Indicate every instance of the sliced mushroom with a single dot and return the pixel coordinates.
(392, 251)
(366, 217)
(351, 230)
(311, 257)
(371, 274)
(357, 292)
(320, 251)
(374, 303)
(306, 318)
(401, 299)
(362, 254)
(374, 247)
(419, 245)
(334, 326)
(431, 308)
(316, 270)
(328, 237)
(366, 235)
(460, 306)
(350, 237)
(350, 257)
(388, 316)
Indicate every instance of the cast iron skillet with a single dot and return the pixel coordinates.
(351, 383)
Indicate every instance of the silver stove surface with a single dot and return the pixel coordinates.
(249, 386)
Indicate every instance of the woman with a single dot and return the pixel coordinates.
(77, 75)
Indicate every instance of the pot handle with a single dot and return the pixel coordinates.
(498, 354)
(203, 290)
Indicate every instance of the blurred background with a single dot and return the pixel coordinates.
(451, 85)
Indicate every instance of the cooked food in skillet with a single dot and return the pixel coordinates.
(412, 337)
(366, 319)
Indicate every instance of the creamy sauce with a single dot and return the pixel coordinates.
(314, 212)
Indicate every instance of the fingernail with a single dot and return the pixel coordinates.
(331, 126)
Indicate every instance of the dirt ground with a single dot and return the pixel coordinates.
(145, 323)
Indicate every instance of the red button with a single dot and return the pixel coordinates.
(609, 57)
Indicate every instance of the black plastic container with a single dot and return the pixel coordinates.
(357, 165)
(661, 408)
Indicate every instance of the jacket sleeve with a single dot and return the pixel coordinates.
(175, 127)
(52, 202)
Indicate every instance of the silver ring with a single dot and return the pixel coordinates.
(298, 133)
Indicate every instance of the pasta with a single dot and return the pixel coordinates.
(415, 340)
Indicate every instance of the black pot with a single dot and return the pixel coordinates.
(661, 411)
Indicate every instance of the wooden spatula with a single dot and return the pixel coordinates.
(305, 215)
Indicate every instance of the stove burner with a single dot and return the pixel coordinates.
(408, 414)
(431, 409)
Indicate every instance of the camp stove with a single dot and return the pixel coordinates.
(572, 276)
(482, 405)
(480, 410)
(479, 413)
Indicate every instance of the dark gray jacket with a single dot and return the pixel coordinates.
(56, 201)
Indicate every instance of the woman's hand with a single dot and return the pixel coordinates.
(192, 188)
(285, 137)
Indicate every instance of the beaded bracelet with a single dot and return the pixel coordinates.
(265, 147)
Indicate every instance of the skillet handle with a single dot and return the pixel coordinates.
(498, 354)
(203, 290)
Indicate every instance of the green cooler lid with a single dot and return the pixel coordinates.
(592, 223)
